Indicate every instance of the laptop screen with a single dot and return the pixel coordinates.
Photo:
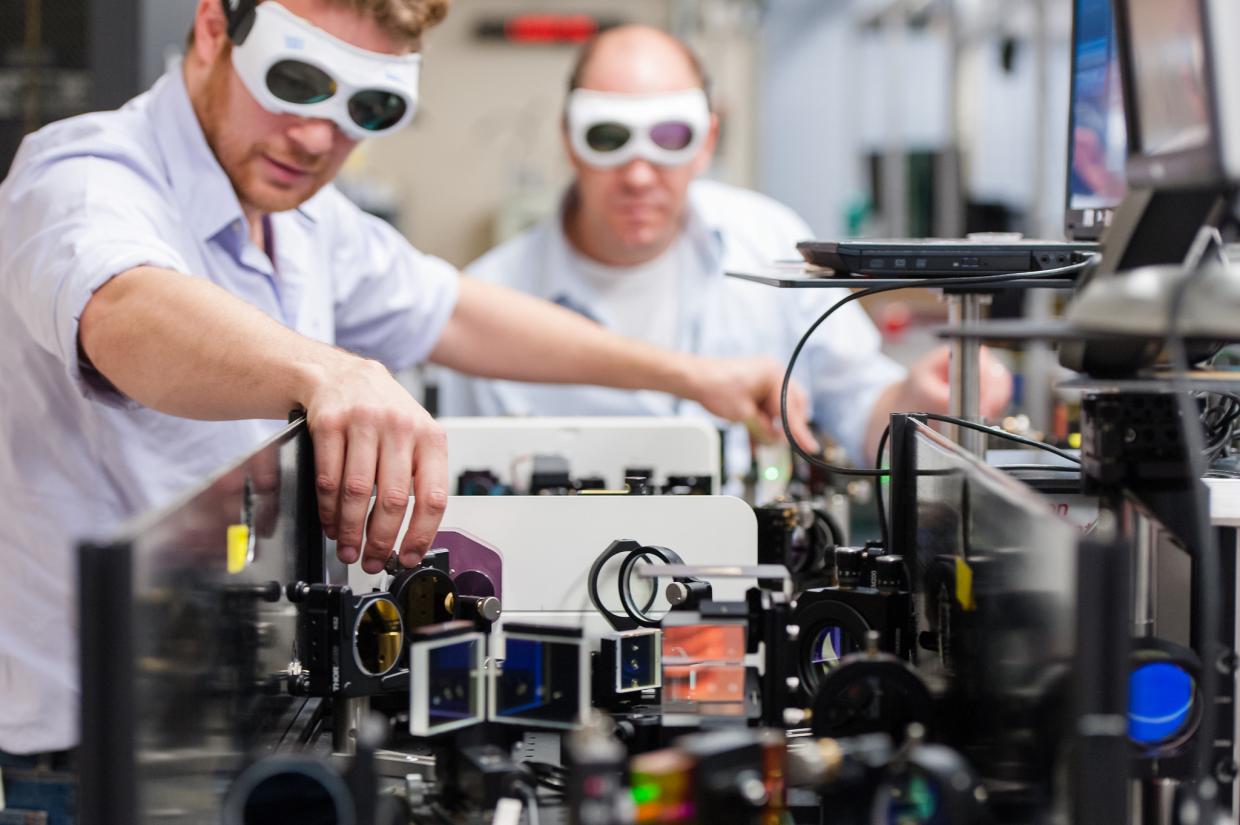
(1097, 136)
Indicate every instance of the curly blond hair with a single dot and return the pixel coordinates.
(405, 20)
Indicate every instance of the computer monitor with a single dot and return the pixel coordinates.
(1097, 132)
(1182, 91)
(1181, 82)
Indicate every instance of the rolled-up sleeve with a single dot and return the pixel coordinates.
(68, 227)
(392, 301)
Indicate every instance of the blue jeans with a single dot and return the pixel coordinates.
(40, 789)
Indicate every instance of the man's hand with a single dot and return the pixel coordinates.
(748, 389)
(927, 388)
(368, 431)
(928, 385)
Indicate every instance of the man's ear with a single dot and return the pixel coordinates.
(210, 31)
(707, 153)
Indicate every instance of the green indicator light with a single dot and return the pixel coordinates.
(771, 474)
(645, 793)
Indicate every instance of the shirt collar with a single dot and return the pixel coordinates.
(200, 184)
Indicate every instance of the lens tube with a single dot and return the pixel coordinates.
(542, 681)
(446, 684)
(290, 790)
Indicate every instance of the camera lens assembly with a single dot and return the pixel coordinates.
(446, 679)
(348, 643)
(542, 680)
(870, 692)
(800, 538)
(833, 622)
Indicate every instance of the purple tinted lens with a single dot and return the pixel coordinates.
(671, 135)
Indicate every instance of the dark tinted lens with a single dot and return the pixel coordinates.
(671, 135)
(296, 82)
(607, 137)
(375, 111)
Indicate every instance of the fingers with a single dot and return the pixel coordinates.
(391, 494)
(357, 482)
(430, 494)
(328, 435)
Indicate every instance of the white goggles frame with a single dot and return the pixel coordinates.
(278, 34)
(639, 114)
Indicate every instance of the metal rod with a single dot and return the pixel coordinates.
(966, 370)
(346, 717)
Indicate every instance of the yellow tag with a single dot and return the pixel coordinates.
(238, 547)
(964, 585)
(1074, 440)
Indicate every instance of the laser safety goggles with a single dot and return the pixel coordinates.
(607, 129)
(291, 66)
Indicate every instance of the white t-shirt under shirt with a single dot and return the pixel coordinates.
(642, 301)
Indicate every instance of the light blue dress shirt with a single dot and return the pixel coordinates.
(730, 230)
(87, 199)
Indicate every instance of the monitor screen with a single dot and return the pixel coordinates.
(1169, 68)
(1098, 139)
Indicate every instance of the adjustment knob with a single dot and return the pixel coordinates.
(848, 564)
(891, 575)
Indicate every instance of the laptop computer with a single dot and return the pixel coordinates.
(939, 257)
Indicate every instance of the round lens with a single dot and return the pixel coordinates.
(671, 135)
(830, 645)
(376, 110)
(378, 637)
(607, 137)
(295, 82)
(1160, 702)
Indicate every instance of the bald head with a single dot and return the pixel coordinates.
(637, 60)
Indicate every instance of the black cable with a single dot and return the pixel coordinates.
(876, 290)
(884, 531)
(1004, 434)
(1050, 468)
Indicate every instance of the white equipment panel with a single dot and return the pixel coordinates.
(549, 542)
(593, 446)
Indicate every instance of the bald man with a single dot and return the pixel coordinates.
(640, 245)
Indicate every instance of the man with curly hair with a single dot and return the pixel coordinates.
(176, 275)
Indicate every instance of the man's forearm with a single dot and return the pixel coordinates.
(496, 332)
(183, 346)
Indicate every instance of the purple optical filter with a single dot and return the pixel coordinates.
(671, 135)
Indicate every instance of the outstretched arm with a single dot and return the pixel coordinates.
(496, 332)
